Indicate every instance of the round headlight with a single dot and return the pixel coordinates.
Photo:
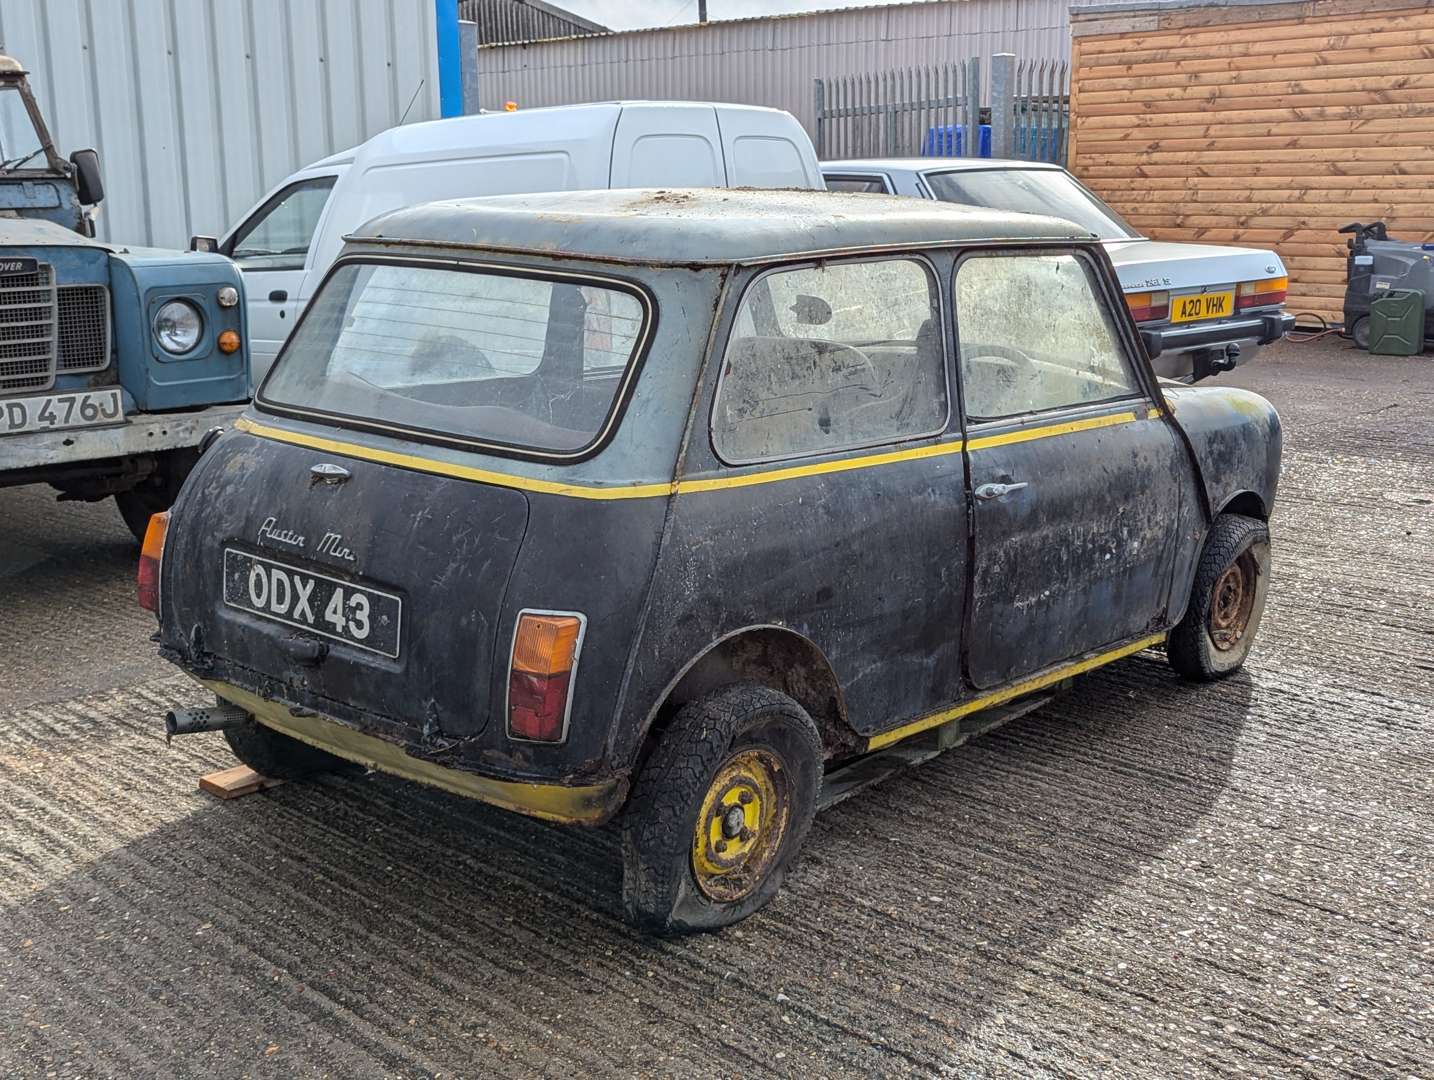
(177, 326)
(227, 296)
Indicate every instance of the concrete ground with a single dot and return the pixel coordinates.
(1143, 879)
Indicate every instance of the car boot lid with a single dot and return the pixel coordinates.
(1158, 264)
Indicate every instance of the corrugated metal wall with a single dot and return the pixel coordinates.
(522, 20)
(197, 107)
(768, 61)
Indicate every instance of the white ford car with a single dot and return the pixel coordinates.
(1201, 308)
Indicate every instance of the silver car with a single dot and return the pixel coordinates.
(1201, 308)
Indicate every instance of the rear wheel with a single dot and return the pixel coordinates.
(276, 755)
(156, 492)
(720, 810)
(1226, 602)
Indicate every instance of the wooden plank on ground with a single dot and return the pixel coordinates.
(235, 782)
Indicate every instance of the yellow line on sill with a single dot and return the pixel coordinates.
(1010, 693)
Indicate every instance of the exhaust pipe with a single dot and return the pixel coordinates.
(205, 718)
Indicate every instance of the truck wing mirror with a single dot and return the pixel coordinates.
(203, 243)
(88, 185)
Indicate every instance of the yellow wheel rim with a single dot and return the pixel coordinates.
(741, 824)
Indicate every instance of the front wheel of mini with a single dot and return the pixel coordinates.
(720, 810)
(1226, 602)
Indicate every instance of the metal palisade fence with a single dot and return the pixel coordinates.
(937, 111)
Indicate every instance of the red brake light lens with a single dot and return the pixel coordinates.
(1262, 293)
(1148, 306)
(151, 554)
(545, 655)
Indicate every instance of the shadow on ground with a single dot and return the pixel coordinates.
(362, 923)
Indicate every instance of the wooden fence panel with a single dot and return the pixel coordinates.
(1266, 125)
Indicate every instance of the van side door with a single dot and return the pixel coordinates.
(1081, 494)
(661, 144)
(271, 246)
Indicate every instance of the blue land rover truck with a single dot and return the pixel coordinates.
(114, 361)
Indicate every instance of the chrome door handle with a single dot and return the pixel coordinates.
(996, 491)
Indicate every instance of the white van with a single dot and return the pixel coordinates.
(286, 243)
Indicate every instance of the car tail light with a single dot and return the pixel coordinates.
(151, 554)
(1262, 293)
(540, 674)
(1148, 306)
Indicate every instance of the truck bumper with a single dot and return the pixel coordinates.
(145, 433)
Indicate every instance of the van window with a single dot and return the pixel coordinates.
(277, 235)
(832, 357)
(466, 355)
(1034, 334)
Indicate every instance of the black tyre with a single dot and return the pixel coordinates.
(1226, 602)
(156, 492)
(720, 810)
(1360, 332)
(276, 755)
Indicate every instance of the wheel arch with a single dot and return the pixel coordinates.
(1245, 502)
(773, 656)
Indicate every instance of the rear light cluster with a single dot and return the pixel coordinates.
(540, 675)
(1148, 306)
(1261, 293)
(151, 553)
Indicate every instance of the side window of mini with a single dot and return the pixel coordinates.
(832, 357)
(1034, 333)
(277, 235)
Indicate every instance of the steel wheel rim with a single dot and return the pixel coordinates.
(741, 825)
(1231, 602)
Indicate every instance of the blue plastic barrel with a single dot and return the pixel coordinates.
(949, 140)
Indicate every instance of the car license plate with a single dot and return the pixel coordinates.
(357, 615)
(55, 412)
(1210, 305)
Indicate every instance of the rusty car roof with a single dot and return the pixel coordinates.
(689, 226)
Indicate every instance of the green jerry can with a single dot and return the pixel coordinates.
(1396, 323)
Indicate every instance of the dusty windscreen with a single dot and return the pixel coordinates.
(492, 358)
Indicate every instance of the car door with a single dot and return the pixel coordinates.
(827, 497)
(1079, 488)
(271, 247)
(667, 145)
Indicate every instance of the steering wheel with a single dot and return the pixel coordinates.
(1005, 356)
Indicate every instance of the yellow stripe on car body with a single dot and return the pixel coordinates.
(678, 487)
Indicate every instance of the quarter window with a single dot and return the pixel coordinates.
(873, 185)
(832, 357)
(1034, 334)
(278, 234)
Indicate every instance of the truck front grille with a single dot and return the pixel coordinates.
(84, 328)
(27, 330)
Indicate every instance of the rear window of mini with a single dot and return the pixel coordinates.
(490, 357)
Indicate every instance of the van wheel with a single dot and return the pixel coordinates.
(720, 810)
(1226, 603)
(276, 755)
(156, 492)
